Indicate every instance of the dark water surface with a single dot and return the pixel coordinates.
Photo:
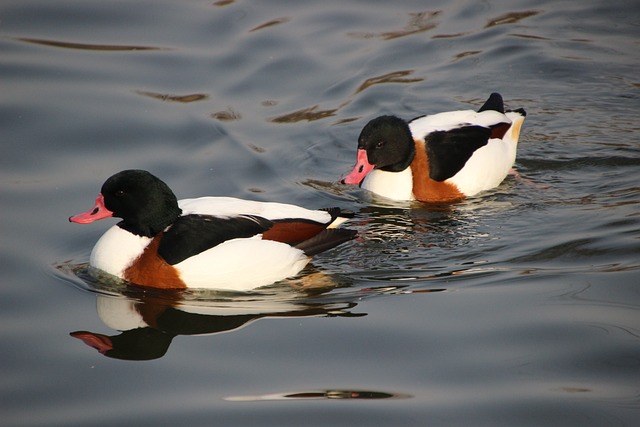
(517, 308)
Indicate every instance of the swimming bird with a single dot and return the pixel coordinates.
(442, 157)
(207, 242)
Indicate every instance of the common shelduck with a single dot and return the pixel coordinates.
(208, 242)
(438, 158)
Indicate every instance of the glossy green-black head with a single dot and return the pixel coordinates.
(388, 143)
(144, 202)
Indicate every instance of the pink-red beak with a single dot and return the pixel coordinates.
(360, 170)
(100, 342)
(99, 211)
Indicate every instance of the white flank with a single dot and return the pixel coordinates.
(487, 167)
(242, 264)
(490, 164)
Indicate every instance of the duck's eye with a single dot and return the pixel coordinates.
(380, 144)
(120, 193)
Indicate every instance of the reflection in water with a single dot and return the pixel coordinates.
(442, 224)
(393, 77)
(227, 115)
(271, 23)
(449, 36)
(511, 18)
(149, 324)
(462, 55)
(313, 113)
(321, 394)
(149, 320)
(223, 2)
(193, 97)
(86, 46)
(310, 114)
(529, 36)
(419, 248)
(418, 22)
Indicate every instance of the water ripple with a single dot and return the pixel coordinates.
(419, 22)
(272, 23)
(87, 46)
(511, 18)
(192, 97)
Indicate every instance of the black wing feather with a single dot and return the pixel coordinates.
(448, 151)
(192, 234)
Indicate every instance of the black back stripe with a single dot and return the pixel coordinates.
(192, 234)
(448, 151)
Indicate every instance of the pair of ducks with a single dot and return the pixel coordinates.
(232, 244)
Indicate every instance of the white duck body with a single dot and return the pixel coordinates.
(441, 157)
(489, 164)
(486, 168)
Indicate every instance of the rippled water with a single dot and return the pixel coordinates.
(520, 307)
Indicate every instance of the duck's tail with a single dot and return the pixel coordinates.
(325, 240)
(494, 103)
(517, 118)
(338, 216)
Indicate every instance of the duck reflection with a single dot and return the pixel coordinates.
(148, 323)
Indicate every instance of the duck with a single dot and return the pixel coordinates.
(443, 157)
(221, 243)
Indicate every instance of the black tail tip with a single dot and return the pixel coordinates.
(325, 240)
(339, 212)
(520, 111)
(494, 103)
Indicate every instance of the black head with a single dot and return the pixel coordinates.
(388, 143)
(145, 203)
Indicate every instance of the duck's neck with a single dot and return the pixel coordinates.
(149, 225)
(408, 156)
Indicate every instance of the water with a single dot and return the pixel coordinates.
(520, 307)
